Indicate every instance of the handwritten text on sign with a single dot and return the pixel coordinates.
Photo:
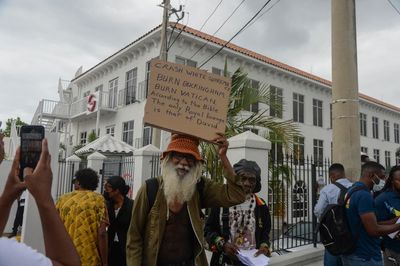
(187, 100)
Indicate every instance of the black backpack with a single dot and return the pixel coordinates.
(333, 227)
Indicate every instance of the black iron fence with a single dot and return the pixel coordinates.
(122, 166)
(66, 172)
(293, 187)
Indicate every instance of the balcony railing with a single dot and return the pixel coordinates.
(50, 109)
(105, 101)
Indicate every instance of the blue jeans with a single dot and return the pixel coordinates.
(331, 260)
(351, 260)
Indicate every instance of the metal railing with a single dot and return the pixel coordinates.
(292, 194)
(50, 108)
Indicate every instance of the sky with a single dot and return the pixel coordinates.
(44, 40)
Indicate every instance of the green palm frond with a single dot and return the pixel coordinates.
(242, 96)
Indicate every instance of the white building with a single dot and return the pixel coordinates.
(120, 81)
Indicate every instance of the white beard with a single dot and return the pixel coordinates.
(179, 189)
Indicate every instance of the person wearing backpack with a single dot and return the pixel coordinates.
(387, 208)
(244, 226)
(360, 214)
(332, 194)
(168, 230)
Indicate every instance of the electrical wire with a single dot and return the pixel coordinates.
(180, 32)
(240, 31)
(266, 11)
(394, 7)
(212, 13)
(226, 20)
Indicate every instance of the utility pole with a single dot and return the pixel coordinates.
(156, 132)
(345, 99)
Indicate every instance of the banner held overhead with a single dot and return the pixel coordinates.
(187, 100)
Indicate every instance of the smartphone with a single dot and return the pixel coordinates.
(31, 146)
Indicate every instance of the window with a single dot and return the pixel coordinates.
(216, 71)
(147, 134)
(253, 107)
(112, 93)
(147, 77)
(376, 155)
(386, 129)
(363, 124)
(330, 115)
(298, 150)
(127, 132)
(99, 88)
(396, 133)
(71, 140)
(130, 90)
(83, 138)
(318, 152)
(276, 148)
(364, 150)
(317, 113)
(387, 159)
(276, 102)
(375, 127)
(185, 61)
(110, 130)
(86, 93)
(298, 108)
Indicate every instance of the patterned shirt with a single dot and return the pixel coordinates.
(82, 212)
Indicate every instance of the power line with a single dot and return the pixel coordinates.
(180, 32)
(240, 31)
(266, 11)
(226, 20)
(394, 7)
(212, 13)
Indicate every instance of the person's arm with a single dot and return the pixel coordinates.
(102, 239)
(135, 238)
(12, 190)
(224, 195)
(58, 244)
(321, 204)
(374, 229)
(264, 247)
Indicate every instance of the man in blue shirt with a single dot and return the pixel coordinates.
(330, 195)
(388, 208)
(360, 211)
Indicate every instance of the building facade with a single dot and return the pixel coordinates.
(119, 84)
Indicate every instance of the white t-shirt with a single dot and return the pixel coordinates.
(18, 254)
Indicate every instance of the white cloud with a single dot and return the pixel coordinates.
(42, 40)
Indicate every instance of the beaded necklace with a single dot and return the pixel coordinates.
(243, 223)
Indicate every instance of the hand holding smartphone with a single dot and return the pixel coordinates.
(31, 147)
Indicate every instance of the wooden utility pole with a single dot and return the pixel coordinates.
(345, 99)
(156, 132)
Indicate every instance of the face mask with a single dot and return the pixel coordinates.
(378, 186)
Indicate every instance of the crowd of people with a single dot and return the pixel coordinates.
(165, 224)
(372, 209)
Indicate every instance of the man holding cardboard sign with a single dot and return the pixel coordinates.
(187, 100)
(167, 224)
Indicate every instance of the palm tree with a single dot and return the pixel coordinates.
(242, 96)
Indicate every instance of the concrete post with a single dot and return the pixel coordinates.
(252, 147)
(143, 160)
(95, 162)
(345, 102)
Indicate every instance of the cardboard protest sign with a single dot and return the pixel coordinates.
(187, 100)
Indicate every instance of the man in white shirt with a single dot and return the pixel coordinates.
(59, 247)
(330, 195)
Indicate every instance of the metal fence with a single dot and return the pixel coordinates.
(123, 166)
(293, 187)
(66, 172)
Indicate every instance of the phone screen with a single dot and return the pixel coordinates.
(31, 145)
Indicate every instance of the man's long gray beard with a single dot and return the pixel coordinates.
(179, 189)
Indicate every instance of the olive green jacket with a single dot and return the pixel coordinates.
(147, 226)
